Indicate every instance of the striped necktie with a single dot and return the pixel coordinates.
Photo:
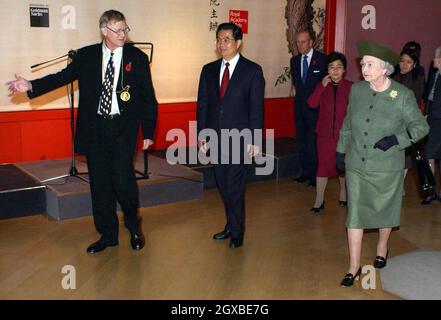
(106, 94)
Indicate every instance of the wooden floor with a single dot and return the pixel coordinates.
(288, 253)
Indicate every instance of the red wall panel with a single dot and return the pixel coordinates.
(10, 142)
(46, 139)
(43, 135)
(279, 115)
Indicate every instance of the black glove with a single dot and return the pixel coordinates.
(387, 142)
(340, 162)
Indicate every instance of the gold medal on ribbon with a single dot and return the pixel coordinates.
(125, 96)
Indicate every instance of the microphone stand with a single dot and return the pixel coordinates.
(73, 171)
(149, 44)
(145, 173)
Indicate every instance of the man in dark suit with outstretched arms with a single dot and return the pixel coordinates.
(116, 96)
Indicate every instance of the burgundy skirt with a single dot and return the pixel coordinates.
(326, 150)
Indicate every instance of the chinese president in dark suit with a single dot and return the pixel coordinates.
(230, 96)
(116, 96)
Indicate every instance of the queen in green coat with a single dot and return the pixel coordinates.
(381, 115)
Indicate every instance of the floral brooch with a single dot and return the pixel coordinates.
(393, 94)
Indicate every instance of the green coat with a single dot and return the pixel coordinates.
(375, 177)
(375, 115)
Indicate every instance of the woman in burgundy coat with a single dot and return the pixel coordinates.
(331, 96)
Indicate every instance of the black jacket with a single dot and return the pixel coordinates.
(86, 67)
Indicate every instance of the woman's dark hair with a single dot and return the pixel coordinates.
(413, 46)
(235, 30)
(334, 56)
(414, 55)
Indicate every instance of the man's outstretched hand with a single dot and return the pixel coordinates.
(20, 84)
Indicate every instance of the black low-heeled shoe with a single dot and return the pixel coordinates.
(429, 199)
(380, 262)
(317, 210)
(349, 278)
(342, 204)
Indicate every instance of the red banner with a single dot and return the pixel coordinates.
(240, 18)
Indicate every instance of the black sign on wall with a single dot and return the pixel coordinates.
(39, 15)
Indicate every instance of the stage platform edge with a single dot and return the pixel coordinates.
(69, 197)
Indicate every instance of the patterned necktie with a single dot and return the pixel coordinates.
(106, 93)
(305, 68)
(225, 80)
(432, 92)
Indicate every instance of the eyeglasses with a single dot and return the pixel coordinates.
(124, 31)
(224, 40)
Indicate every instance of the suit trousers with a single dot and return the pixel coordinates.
(112, 177)
(306, 121)
(231, 181)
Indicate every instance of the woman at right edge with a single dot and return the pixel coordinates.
(371, 149)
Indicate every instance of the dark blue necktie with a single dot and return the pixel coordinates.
(305, 68)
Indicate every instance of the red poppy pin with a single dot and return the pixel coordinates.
(128, 67)
(314, 62)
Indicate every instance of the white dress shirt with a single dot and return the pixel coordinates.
(231, 67)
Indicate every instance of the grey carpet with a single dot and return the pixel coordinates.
(414, 276)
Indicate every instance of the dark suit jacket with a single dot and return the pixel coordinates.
(316, 72)
(86, 67)
(242, 105)
(433, 109)
(432, 70)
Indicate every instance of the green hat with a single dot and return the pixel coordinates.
(378, 50)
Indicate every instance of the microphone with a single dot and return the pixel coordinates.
(72, 53)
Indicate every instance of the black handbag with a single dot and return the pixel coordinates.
(423, 167)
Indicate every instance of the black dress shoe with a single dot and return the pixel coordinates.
(349, 278)
(99, 246)
(317, 210)
(301, 179)
(429, 199)
(137, 240)
(380, 262)
(225, 234)
(236, 242)
(342, 204)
